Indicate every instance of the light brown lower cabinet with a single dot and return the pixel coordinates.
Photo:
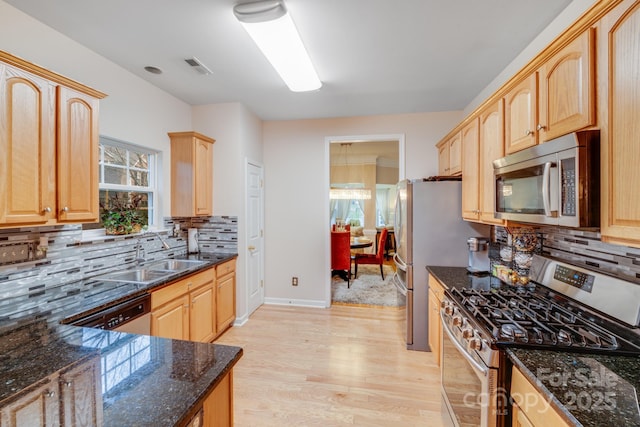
(530, 408)
(436, 293)
(226, 295)
(71, 397)
(185, 309)
(199, 307)
(218, 406)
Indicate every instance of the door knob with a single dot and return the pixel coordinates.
(252, 248)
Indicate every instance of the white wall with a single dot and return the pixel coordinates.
(568, 16)
(296, 195)
(134, 110)
(238, 135)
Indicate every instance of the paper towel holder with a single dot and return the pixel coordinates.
(192, 241)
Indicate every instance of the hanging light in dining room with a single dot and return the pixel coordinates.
(348, 193)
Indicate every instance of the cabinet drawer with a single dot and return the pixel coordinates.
(532, 403)
(226, 268)
(176, 289)
(437, 287)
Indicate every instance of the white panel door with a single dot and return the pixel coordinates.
(255, 237)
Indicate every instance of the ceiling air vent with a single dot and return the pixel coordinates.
(199, 66)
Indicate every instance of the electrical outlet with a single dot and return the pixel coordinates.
(294, 281)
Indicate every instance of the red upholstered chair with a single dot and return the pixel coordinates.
(377, 258)
(341, 255)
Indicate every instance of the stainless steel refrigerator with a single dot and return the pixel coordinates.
(429, 230)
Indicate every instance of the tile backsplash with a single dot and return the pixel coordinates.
(585, 248)
(70, 259)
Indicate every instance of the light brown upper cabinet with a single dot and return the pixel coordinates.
(521, 115)
(191, 174)
(557, 99)
(450, 156)
(48, 147)
(482, 143)
(618, 113)
(470, 171)
(491, 148)
(567, 89)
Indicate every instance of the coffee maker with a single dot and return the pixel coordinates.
(478, 255)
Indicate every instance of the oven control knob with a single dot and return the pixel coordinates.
(467, 333)
(475, 344)
(457, 321)
(448, 310)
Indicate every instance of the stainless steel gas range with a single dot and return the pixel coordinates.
(563, 308)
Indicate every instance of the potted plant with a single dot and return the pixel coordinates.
(121, 214)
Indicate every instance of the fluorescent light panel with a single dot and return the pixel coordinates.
(280, 43)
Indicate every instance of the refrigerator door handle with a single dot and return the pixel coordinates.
(398, 284)
(399, 263)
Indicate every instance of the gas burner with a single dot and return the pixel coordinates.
(513, 332)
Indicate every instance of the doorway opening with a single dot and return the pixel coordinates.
(363, 172)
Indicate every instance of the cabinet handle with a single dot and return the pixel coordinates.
(528, 132)
(541, 127)
(46, 210)
(65, 209)
(49, 393)
(68, 383)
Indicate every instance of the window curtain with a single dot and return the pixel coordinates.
(339, 209)
(382, 205)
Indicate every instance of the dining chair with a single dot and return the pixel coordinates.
(377, 258)
(341, 255)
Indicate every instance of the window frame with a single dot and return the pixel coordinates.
(154, 162)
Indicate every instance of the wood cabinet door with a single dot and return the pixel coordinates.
(226, 302)
(455, 155)
(77, 156)
(443, 159)
(567, 89)
(27, 148)
(81, 395)
(435, 326)
(218, 406)
(491, 148)
(40, 407)
(518, 418)
(520, 106)
(172, 319)
(203, 166)
(202, 315)
(619, 110)
(470, 171)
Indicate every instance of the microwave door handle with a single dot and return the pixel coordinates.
(546, 190)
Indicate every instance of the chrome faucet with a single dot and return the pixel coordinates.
(140, 250)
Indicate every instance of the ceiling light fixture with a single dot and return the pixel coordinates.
(348, 193)
(271, 28)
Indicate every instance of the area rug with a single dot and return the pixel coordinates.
(367, 289)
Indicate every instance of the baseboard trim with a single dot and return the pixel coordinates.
(241, 320)
(296, 302)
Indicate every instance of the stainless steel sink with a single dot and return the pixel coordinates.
(175, 264)
(152, 272)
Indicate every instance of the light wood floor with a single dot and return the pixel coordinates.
(331, 367)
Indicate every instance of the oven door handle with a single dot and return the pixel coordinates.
(477, 366)
(398, 284)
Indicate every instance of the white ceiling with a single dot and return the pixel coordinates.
(373, 56)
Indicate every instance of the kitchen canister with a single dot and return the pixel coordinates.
(192, 241)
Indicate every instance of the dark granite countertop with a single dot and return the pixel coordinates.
(587, 389)
(142, 380)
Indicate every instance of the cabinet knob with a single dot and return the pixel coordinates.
(541, 127)
(65, 209)
(528, 132)
(46, 210)
(68, 383)
(49, 393)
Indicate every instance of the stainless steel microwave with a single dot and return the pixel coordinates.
(554, 183)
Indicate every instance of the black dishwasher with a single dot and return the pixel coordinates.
(133, 316)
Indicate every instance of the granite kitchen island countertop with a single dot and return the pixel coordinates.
(123, 379)
(587, 389)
